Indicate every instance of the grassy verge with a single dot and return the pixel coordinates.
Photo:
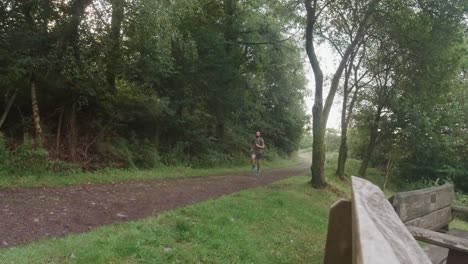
(285, 222)
(120, 175)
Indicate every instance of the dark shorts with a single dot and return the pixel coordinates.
(259, 156)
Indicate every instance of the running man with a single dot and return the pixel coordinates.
(257, 146)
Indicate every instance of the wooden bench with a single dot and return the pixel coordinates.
(367, 230)
(427, 214)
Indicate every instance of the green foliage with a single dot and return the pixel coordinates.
(306, 141)
(28, 158)
(193, 79)
(60, 166)
(4, 155)
(131, 153)
(59, 173)
(332, 140)
(422, 124)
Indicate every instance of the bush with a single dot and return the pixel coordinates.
(28, 158)
(306, 141)
(332, 140)
(215, 158)
(271, 154)
(133, 153)
(145, 155)
(4, 155)
(62, 166)
(177, 154)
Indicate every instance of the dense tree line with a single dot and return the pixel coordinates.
(141, 82)
(402, 75)
(413, 116)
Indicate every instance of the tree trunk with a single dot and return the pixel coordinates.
(35, 110)
(319, 111)
(318, 148)
(388, 168)
(348, 52)
(318, 130)
(367, 156)
(346, 118)
(114, 42)
(8, 107)
(73, 133)
(220, 130)
(59, 131)
(371, 145)
(157, 135)
(72, 34)
(343, 153)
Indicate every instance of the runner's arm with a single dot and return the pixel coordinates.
(261, 146)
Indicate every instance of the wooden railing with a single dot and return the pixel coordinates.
(427, 214)
(367, 230)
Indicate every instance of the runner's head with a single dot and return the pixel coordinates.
(257, 134)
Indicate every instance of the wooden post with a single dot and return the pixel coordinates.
(339, 237)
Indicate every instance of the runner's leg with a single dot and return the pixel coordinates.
(252, 160)
(257, 161)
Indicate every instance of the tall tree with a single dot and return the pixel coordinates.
(114, 55)
(8, 106)
(409, 71)
(185, 77)
(351, 90)
(320, 111)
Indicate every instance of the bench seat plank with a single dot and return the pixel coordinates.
(439, 239)
(437, 254)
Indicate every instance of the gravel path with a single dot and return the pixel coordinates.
(32, 214)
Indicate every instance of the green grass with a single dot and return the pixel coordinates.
(352, 168)
(120, 175)
(459, 224)
(285, 222)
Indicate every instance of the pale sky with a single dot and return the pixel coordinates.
(328, 62)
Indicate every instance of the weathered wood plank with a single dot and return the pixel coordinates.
(434, 220)
(414, 204)
(439, 239)
(458, 233)
(338, 248)
(379, 236)
(439, 255)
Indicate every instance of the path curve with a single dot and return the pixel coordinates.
(32, 214)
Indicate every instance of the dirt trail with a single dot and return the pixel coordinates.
(27, 215)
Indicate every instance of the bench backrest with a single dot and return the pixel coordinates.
(366, 230)
(379, 236)
(428, 208)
